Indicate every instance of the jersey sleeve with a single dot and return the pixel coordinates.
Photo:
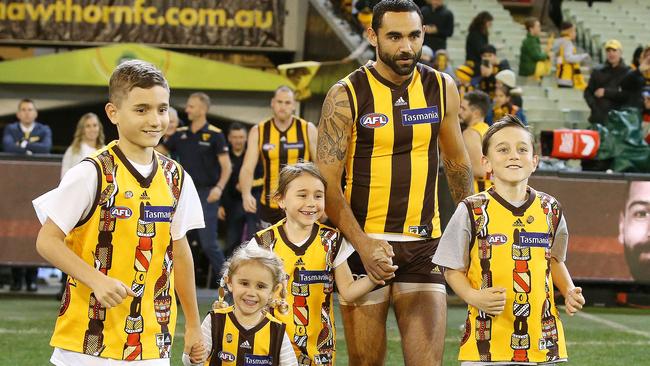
(453, 248)
(561, 241)
(189, 214)
(72, 200)
(287, 355)
(221, 147)
(345, 250)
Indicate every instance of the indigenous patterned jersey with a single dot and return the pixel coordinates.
(392, 162)
(511, 248)
(126, 236)
(310, 322)
(234, 345)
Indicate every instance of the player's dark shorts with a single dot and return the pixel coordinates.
(413, 259)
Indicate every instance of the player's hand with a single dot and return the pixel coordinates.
(491, 300)
(194, 345)
(221, 214)
(110, 292)
(574, 301)
(377, 257)
(599, 93)
(215, 194)
(249, 202)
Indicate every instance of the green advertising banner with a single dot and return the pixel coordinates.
(177, 23)
(93, 67)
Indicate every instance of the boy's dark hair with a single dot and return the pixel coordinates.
(530, 23)
(506, 121)
(478, 99)
(236, 126)
(479, 23)
(488, 48)
(566, 26)
(395, 6)
(133, 74)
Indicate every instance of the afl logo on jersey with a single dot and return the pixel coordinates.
(267, 147)
(497, 239)
(226, 356)
(119, 212)
(374, 120)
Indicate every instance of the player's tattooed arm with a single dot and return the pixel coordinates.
(335, 126)
(455, 158)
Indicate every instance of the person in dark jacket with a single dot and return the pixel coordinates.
(604, 90)
(438, 24)
(636, 81)
(27, 136)
(477, 39)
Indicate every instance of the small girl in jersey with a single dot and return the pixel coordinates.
(255, 277)
(314, 256)
(502, 105)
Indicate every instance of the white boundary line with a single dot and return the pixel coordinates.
(613, 324)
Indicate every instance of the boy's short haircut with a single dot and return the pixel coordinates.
(478, 99)
(133, 74)
(203, 98)
(566, 26)
(506, 121)
(530, 23)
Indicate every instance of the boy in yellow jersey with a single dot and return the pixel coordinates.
(504, 251)
(116, 224)
(472, 112)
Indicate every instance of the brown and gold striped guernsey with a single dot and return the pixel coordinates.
(234, 345)
(279, 148)
(392, 164)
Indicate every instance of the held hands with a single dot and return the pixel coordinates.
(194, 346)
(249, 202)
(110, 292)
(491, 300)
(377, 257)
(574, 300)
(215, 194)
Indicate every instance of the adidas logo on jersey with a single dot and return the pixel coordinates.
(400, 102)
(518, 223)
(245, 344)
(144, 196)
(436, 270)
(299, 262)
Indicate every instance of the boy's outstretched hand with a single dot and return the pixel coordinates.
(491, 300)
(574, 300)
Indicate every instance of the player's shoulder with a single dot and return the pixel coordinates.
(183, 129)
(214, 129)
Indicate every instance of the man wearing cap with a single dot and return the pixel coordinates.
(604, 93)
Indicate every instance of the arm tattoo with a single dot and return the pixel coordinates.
(459, 178)
(333, 128)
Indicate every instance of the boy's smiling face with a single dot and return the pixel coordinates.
(141, 117)
(510, 156)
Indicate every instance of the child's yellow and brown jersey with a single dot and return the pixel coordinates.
(310, 286)
(511, 248)
(126, 236)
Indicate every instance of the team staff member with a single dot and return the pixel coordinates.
(385, 123)
(201, 148)
(281, 140)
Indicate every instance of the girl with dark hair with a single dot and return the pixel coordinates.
(477, 38)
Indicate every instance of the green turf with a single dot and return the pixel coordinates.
(26, 325)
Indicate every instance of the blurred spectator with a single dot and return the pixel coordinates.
(241, 225)
(636, 81)
(442, 63)
(477, 39)
(508, 79)
(364, 12)
(502, 105)
(568, 61)
(88, 137)
(471, 113)
(27, 136)
(604, 93)
(464, 75)
(438, 24)
(533, 61)
(646, 115)
(490, 67)
(636, 56)
(427, 56)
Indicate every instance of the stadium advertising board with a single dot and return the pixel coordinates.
(175, 23)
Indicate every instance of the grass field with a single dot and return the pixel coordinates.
(601, 336)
